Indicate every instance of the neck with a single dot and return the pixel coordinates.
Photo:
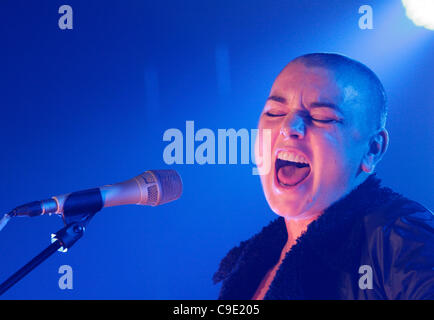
(295, 229)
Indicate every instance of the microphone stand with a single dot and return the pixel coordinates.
(62, 240)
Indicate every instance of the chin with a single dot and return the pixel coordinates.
(290, 211)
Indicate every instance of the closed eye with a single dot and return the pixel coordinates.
(324, 120)
(278, 114)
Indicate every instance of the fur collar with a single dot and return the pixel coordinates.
(330, 246)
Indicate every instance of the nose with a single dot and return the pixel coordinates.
(293, 127)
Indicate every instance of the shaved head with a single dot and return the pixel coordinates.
(357, 75)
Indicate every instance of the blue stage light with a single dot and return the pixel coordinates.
(421, 12)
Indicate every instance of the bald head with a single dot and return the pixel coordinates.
(356, 74)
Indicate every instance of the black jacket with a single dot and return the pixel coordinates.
(371, 226)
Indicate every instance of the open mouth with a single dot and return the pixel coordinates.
(291, 169)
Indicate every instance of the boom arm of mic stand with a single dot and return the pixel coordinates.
(62, 240)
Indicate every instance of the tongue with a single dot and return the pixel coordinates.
(291, 175)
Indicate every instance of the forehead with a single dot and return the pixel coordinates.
(321, 86)
(311, 84)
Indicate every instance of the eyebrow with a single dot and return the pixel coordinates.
(312, 105)
(277, 99)
(325, 105)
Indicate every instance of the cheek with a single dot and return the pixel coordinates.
(329, 149)
(265, 140)
(337, 153)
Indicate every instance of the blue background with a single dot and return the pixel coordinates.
(86, 107)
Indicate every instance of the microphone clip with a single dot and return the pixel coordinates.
(73, 230)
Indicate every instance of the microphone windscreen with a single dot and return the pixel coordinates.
(168, 188)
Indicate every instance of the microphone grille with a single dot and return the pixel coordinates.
(170, 187)
(153, 195)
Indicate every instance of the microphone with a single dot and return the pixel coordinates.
(152, 188)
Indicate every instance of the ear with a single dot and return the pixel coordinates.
(377, 148)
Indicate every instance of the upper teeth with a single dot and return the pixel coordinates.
(291, 156)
